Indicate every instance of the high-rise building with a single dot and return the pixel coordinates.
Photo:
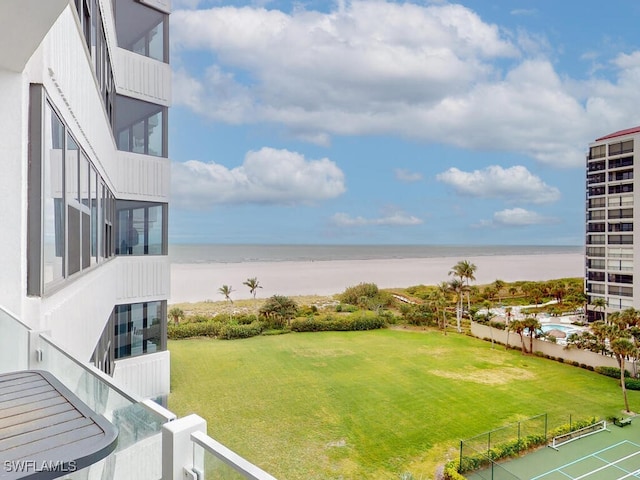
(84, 274)
(85, 87)
(612, 245)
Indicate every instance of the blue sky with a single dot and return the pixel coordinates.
(390, 122)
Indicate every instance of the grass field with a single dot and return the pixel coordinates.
(370, 405)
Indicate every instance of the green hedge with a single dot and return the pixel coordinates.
(232, 331)
(188, 330)
(613, 372)
(632, 383)
(216, 329)
(331, 323)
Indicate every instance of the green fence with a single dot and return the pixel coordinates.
(479, 454)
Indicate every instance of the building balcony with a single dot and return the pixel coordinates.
(142, 77)
(152, 443)
(142, 177)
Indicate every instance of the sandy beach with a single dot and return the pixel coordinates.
(200, 282)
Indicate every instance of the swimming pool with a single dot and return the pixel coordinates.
(555, 326)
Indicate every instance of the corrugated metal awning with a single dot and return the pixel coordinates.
(45, 430)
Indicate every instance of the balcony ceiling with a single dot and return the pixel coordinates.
(23, 26)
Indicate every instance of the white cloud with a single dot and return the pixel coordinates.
(524, 12)
(515, 217)
(513, 184)
(394, 218)
(519, 217)
(434, 73)
(406, 176)
(267, 176)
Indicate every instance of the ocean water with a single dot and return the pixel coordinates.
(215, 253)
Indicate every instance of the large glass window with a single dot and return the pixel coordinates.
(141, 127)
(139, 328)
(598, 151)
(621, 147)
(70, 208)
(141, 228)
(142, 29)
(53, 198)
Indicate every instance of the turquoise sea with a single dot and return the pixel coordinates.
(217, 253)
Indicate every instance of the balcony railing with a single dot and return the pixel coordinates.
(148, 447)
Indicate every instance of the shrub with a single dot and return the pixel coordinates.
(307, 310)
(366, 295)
(233, 330)
(188, 330)
(343, 323)
(198, 318)
(245, 319)
(342, 307)
(451, 471)
(632, 383)
(613, 372)
(279, 310)
(420, 315)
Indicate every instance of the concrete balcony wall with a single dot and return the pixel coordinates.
(141, 77)
(142, 177)
(146, 375)
(142, 278)
(76, 315)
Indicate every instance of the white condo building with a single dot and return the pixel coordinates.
(612, 245)
(85, 86)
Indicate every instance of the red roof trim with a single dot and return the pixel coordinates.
(620, 133)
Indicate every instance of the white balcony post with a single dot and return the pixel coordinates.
(177, 447)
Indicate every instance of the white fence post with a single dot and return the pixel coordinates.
(177, 447)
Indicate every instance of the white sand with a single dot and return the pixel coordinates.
(198, 282)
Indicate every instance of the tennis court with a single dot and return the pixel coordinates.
(612, 454)
(616, 462)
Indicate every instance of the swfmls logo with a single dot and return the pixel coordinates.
(31, 466)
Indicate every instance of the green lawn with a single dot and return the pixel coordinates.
(370, 405)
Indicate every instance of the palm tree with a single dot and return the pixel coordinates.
(601, 331)
(226, 291)
(626, 319)
(253, 285)
(519, 327)
(438, 302)
(176, 314)
(533, 325)
(508, 311)
(499, 285)
(623, 348)
(457, 287)
(601, 303)
(465, 270)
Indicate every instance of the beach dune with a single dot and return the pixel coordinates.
(200, 282)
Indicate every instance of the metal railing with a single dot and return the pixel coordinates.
(139, 453)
